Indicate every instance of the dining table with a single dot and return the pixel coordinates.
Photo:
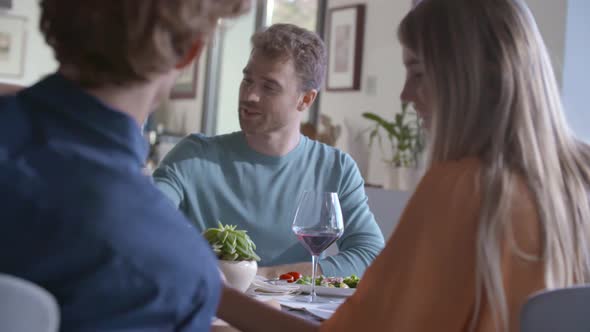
(295, 304)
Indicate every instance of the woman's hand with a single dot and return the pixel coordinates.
(248, 314)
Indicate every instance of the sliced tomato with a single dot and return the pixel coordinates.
(296, 275)
(287, 277)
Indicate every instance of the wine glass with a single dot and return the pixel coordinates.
(317, 224)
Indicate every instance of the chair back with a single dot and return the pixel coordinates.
(26, 307)
(387, 206)
(563, 310)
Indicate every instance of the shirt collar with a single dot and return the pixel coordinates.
(262, 158)
(92, 115)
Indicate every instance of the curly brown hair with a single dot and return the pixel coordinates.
(304, 47)
(118, 42)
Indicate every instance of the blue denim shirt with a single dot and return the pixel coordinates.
(78, 218)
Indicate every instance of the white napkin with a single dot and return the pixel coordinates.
(261, 285)
(321, 311)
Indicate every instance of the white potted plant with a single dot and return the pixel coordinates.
(407, 143)
(236, 253)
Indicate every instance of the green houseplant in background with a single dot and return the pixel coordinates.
(406, 140)
(236, 253)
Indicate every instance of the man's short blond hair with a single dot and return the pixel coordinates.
(116, 42)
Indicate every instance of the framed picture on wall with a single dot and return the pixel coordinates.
(346, 29)
(12, 45)
(6, 4)
(186, 84)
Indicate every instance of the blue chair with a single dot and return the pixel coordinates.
(387, 206)
(26, 307)
(559, 310)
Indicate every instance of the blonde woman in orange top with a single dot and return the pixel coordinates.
(502, 211)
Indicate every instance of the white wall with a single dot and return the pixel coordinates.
(551, 17)
(382, 64)
(39, 59)
(576, 78)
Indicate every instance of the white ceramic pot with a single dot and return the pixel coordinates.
(239, 274)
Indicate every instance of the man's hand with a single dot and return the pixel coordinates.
(271, 272)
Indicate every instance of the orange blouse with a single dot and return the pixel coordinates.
(424, 279)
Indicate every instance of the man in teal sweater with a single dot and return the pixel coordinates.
(253, 178)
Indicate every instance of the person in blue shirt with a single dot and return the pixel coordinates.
(253, 178)
(77, 217)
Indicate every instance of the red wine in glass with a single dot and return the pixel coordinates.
(316, 243)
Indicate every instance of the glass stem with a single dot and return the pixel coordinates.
(314, 269)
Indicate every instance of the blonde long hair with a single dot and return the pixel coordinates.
(495, 97)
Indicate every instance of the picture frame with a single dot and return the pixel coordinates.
(5, 4)
(186, 84)
(346, 30)
(12, 45)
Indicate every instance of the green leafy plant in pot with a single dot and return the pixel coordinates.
(406, 139)
(236, 253)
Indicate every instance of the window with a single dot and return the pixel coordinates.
(303, 13)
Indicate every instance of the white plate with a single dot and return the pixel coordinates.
(328, 291)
